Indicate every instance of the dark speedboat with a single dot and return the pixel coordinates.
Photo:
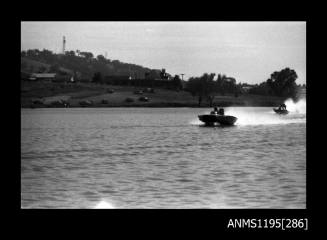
(280, 111)
(214, 118)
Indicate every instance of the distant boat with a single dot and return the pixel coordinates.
(280, 111)
(214, 118)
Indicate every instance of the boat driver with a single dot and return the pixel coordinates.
(215, 110)
(282, 106)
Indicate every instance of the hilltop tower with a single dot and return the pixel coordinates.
(63, 45)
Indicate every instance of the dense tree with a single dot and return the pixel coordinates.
(203, 87)
(101, 58)
(209, 87)
(177, 83)
(97, 78)
(33, 52)
(23, 54)
(206, 88)
(221, 84)
(261, 89)
(226, 85)
(70, 53)
(87, 55)
(163, 74)
(281, 83)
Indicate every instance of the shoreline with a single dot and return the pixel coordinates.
(52, 95)
(154, 105)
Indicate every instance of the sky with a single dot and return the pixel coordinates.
(247, 51)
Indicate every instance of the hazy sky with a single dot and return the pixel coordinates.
(248, 51)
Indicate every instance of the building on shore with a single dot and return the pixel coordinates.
(48, 77)
(42, 76)
(117, 80)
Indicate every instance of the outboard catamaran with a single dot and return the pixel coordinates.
(217, 117)
(281, 109)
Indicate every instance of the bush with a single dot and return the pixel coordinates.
(37, 102)
(86, 103)
(60, 103)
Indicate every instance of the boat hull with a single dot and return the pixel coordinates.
(280, 111)
(212, 119)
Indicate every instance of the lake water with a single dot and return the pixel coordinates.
(161, 158)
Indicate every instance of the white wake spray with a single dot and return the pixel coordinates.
(262, 116)
(103, 204)
(296, 107)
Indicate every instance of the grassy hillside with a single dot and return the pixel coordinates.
(83, 63)
(31, 66)
(74, 93)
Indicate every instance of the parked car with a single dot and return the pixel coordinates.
(60, 103)
(144, 99)
(129, 100)
(148, 90)
(139, 92)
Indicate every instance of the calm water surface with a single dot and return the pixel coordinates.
(161, 158)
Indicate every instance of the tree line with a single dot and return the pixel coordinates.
(206, 87)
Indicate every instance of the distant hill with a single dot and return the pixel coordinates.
(83, 63)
